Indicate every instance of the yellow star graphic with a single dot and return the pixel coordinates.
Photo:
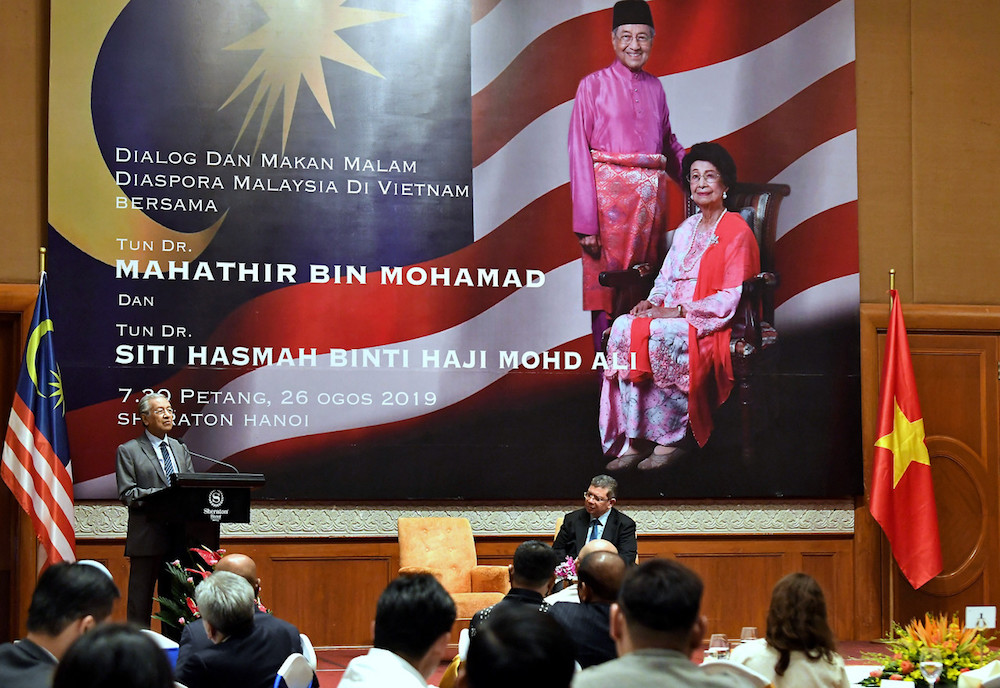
(906, 442)
(58, 392)
(292, 45)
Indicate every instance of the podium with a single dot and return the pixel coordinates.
(204, 497)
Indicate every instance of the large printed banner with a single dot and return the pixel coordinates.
(337, 234)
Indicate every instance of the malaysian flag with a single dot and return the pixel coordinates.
(36, 465)
(774, 82)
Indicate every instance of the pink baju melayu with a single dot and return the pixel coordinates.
(703, 272)
(621, 150)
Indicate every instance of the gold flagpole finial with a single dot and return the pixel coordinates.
(892, 283)
(41, 259)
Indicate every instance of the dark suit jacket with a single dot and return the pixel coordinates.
(515, 596)
(619, 530)
(25, 665)
(195, 638)
(140, 474)
(244, 660)
(589, 625)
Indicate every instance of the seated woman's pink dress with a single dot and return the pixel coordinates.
(703, 272)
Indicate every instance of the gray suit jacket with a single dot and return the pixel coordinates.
(139, 474)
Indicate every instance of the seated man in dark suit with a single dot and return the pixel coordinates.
(531, 577)
(69, 600)
(195, 637)
(597, 519)
(588, 623)
(248, 648)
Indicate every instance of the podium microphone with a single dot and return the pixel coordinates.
(208, 458)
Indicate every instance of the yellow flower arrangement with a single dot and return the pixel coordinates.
(962, 649)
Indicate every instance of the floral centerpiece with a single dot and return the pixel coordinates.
(566, 571)
(177, 606)
(962, 649)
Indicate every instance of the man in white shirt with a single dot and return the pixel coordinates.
(413, 621)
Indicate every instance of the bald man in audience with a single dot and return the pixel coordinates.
(588, 623)
(571, 593)
(194, 638)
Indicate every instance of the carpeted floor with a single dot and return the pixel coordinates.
(332, 661)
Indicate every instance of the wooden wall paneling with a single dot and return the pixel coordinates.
(10, 330)
(737, 586)
(739, 573)
(328, 587)
(333, 600)
(837, 580)
(17, 552)
(957, 382)
(955, 357)
(111, 553)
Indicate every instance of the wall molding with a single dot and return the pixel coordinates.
(96, 521)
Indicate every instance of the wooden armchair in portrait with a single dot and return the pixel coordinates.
(753, 341)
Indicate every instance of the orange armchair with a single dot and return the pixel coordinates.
(444, 547)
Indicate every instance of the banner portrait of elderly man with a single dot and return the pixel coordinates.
(621, 151)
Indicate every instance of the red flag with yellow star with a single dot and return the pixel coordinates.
(902, 494)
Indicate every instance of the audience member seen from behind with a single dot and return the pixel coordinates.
(656, 625)
(244, 654)
(571, 593)
(531, 578)
(519, 647)
(68, 601)
(195, 638)
(413, 620)
(588, 623)
(799, 650)
(114, 655)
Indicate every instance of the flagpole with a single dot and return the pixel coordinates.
(892, 574)
(41, 261)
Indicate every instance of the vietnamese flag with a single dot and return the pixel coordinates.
(902, 494)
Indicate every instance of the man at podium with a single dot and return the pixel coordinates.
(144, 466)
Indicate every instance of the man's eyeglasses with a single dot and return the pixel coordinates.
(594, 498)
(163, 412)
(642, 38)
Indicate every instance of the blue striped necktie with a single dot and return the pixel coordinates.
(166, 461)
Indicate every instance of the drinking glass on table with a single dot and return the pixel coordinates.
(748, 633)
(718, 647)
(931, 665)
